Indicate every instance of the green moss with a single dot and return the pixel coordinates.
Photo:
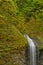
(13, 21)
(10, 12)
(41, 39)
(10, 37)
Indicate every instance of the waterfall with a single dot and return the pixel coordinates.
(32, 50)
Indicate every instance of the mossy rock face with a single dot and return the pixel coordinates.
(12, 23)
(38, 42)
(12, 44)
(10, 36)
(31, 26)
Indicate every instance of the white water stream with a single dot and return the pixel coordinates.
(32, 50)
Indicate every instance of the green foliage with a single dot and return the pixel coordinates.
(26, 15)
(10, 37)
(18, 17)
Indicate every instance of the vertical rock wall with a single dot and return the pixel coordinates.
(14, 57)
(41, 57)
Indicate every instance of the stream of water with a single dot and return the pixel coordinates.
(32, 47)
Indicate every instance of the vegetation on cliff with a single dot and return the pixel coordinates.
(10, 37)
(20, 16)
(16, 18)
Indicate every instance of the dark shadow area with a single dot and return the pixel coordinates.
(39, 52)
(37, 41)
(41, 57)
(27, 55)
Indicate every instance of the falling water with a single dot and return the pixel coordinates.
(32, 50)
